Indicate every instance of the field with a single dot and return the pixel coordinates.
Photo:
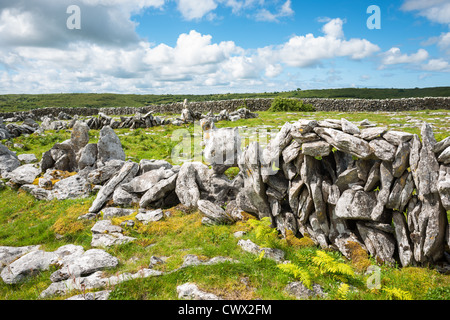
(26, 221)
(23, 102)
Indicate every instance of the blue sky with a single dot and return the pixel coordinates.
(220, 46)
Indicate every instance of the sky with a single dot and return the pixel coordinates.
(221, 46)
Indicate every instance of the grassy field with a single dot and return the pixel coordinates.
(26, 221)
(23, 102)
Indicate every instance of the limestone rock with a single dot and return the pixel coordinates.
(214, 212)
(111, 212)
(144, 182)
(105, 234)
(382, 149)
(379, 244)
(150, 165)
(190, 291)
(316, 149)
(349, 127)
(300, 292)
(159, 190)
(80, 135)
(89, 262)
(109, 145)
(28, 265)
(397, 137)
(404, 244)
(345, 142)
(372, 133)
(253, 198)
(444, 186)
(444, 157)
(71, 188)
(27, 158)
(9, 254)
(427, 172)
(87, 156)
(25, 174)
(401, 159)
(126, 173)
(149, 216)
(442, 145)
(274, 254)
(222, 149)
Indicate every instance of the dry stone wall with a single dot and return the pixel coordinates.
(350, 105)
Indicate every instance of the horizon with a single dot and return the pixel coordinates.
(203, 47)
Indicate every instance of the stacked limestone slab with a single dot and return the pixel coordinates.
(329, 180)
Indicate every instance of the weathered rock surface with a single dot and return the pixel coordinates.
(109, 146)
(214, 212)
(126, 173)
(85, 264)
(190, 291)
(25, 174)
(270, 253)
(345, 142)
(105, 234)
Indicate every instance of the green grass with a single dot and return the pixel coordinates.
(26, 221)
(23, 102)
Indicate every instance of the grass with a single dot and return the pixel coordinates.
(26, 221)
(24, 102)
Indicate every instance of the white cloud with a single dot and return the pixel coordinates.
(195, 61)
(308, 50)
(284, 11)
(196, 9)
(434, 10)
(333, 28)
(437, 65)
(394, 56)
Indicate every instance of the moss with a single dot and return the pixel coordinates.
(295, 242)
(69, 224)
(358, 256)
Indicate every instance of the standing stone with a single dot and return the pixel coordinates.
(434, 217)
(428, 167)
(253, 197)
(186, 187)
(80, 135)
(401, 159)
(109, 145)
(404, 244)
(87, 156)
(222, 149)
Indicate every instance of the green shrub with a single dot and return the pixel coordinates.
(293, 105)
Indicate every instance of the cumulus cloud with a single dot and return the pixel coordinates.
(196, 9)
(394, 56)
(437, 65)
(434, 10)
(284, 11)
(196, 60)
(43, 22)
(308, 50)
